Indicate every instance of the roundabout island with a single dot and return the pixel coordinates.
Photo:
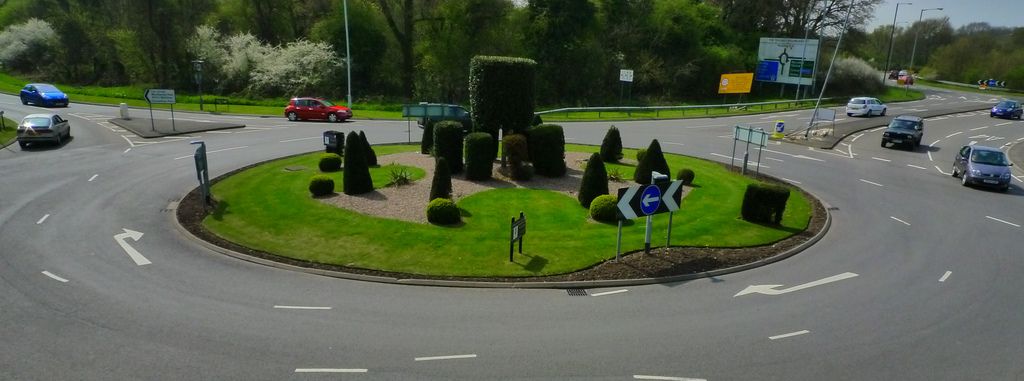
(265, 213)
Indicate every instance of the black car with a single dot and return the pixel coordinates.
(447, 112)
(1007, 109)
(904, 129)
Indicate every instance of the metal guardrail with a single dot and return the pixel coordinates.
(707, 108)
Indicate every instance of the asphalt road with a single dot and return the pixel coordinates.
(918, 278)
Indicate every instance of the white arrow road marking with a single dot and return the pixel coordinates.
(855, 137)
(623, 203)
(122, 240)
(301, 308)
(647, 200)
(930, 154)
(42, 219)
(869, 182)
(452, 357)
(609, 293)
(769, 289)
(47, 273)
(945, 276)
(665, 378)
(1005, 222)
(899, 220)
(785, 335)
(329, 370)
(941, 171)
(973, 142)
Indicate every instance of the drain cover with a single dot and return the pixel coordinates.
(577, 292)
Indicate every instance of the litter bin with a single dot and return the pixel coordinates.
(334, 142)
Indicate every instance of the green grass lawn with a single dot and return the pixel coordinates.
(8, 131)
(269, 208)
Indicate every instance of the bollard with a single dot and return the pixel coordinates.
(124, 112)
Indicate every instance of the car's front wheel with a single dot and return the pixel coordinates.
(849, 114)
(883, 143)
(59, 140)
(955, 172)
(292, 116)
(24, 101)
(963, 179)
(333, 118)
(883, 112)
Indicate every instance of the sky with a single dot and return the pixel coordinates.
(1006, 13)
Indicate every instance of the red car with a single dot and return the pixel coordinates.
(315, 108)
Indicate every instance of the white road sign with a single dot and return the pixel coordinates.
(626, 75)
(160, 96)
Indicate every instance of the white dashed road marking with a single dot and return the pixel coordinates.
(93, 177)
(665, 378)
(783, 336)
(980, 128)
(899, 220)
(47, 273)
(299, 139)
(1005, 222)
(954, 134)
(916, 166)
(945, 276)
(881, 159)
(42, 219)
(452, 357)
(609, 293)
(792, 181)
(869, 182)
(329, 370)
(301, 308)
(214, 151)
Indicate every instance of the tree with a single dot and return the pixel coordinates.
(562, 36)
(611, 146)
(441, 184)
(594, 182)
(356, 176)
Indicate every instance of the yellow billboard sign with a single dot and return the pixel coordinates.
(735, 83)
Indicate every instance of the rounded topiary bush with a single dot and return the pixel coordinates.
(547, 150)
(611, 146)
(330, 162)
(686, 175)
(603, 208)
(594, 182)
(640, 153)
(321, 185)
(443, 211)
(515, 147)
(448, 144)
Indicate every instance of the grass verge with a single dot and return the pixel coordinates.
(268, 208)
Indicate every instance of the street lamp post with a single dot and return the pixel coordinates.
(917, 31)
(197, 66)
(892, 34)
(348, 57)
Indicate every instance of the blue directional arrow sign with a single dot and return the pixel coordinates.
(650, 199)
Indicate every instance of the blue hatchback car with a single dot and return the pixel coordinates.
(41, 94)
(1007, 109)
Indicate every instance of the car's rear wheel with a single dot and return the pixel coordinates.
(60, 139)
(22, 145)
(955, 172)
(333, 118)
(292, 116)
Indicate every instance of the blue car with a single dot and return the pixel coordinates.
(41, 94)
(1007, 109)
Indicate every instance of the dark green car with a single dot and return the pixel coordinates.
(448, 112)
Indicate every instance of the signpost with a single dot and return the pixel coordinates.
(160, 96)
(779, 61)
(518, 231)
(197, 66)
(647, 200)
(780, 128)
(749, 135)
(625, 75)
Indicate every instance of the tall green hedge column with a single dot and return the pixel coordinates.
(501, 94)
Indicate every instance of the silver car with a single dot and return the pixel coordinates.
(865, 106)
(986, 166)
(43, 128)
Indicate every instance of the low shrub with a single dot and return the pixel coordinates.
(398, 177)
(594, 182)
(321, 185)
(686, 175)
(653, 161)
(640, 153)
(448, 144)
(441, 184)
(616, 175)
(611, 146)
(329, 162)
(443, 211)
(603, 208)
(764, 203)
(479, 156)
(547, 150)
(427, 141)
(514, 145)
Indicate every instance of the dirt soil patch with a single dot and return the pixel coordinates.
(660, 262)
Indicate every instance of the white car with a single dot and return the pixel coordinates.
(40, 128)
(865, 106)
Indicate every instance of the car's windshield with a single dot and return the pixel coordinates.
(902, 124)
(1005, 104)
(36, 122)
(989, 158)
(46, 89)
(326, 103)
